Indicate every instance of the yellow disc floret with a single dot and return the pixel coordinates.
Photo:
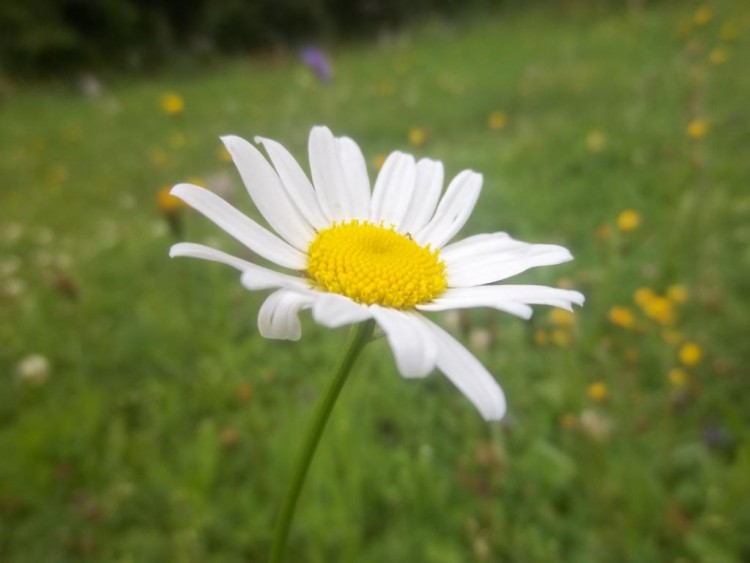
(375, 264)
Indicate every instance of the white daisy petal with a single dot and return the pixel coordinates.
(427, 188)
(332, 310)
(278, 317)
(193, 250)
(468, 374)
(493, 258)
(414, 347)
(446, 303)
(240, 226)
(268, 194)
(393, 190)
(514, 299)
(328, 175)
(357, 179)
(453, 210)
(262, 278)
(297, 185)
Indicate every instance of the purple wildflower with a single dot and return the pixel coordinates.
(317, 60)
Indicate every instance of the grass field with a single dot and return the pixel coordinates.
(164, 428)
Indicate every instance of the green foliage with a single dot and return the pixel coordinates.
(166, 428)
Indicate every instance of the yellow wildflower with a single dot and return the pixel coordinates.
(660, 309)
(703, 15)
(643, 295)
(690, 354)
(417, 136)
(497, 120)
(172, 103)
(677, 293)
(169, 204)
(718, 56)
(561, 317)
(597, 391)
(628, 220)
(697, 128)
(621, 316)
(677, 377)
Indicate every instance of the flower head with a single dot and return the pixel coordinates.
(690, 354)
(628, 220)
(172, 103)
(352, 253)
(317, 60)
(497, 120)
(697, 128)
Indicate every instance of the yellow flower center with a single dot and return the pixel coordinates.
(373, 264)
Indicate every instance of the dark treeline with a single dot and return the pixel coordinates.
(52, 37)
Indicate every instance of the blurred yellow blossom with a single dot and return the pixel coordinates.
(167, 203)
(595, 140)
(621, 316)
(677, 293)
(597, 391)
(697, 128)
(703, 15)
(497, 120)
(677, 377)
(718, 56)
(643, 295)
(417, 136)
(690, 354)
(561, 317)
(172, 103)
(660, 309)
(628, 220)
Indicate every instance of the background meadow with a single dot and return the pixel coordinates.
(142, 417)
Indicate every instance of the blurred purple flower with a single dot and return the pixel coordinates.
(318, 61)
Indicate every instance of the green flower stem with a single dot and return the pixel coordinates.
(358, 337)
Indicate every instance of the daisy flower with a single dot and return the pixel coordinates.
(350, 253)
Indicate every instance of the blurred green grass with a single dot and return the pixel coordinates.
(167, 427)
